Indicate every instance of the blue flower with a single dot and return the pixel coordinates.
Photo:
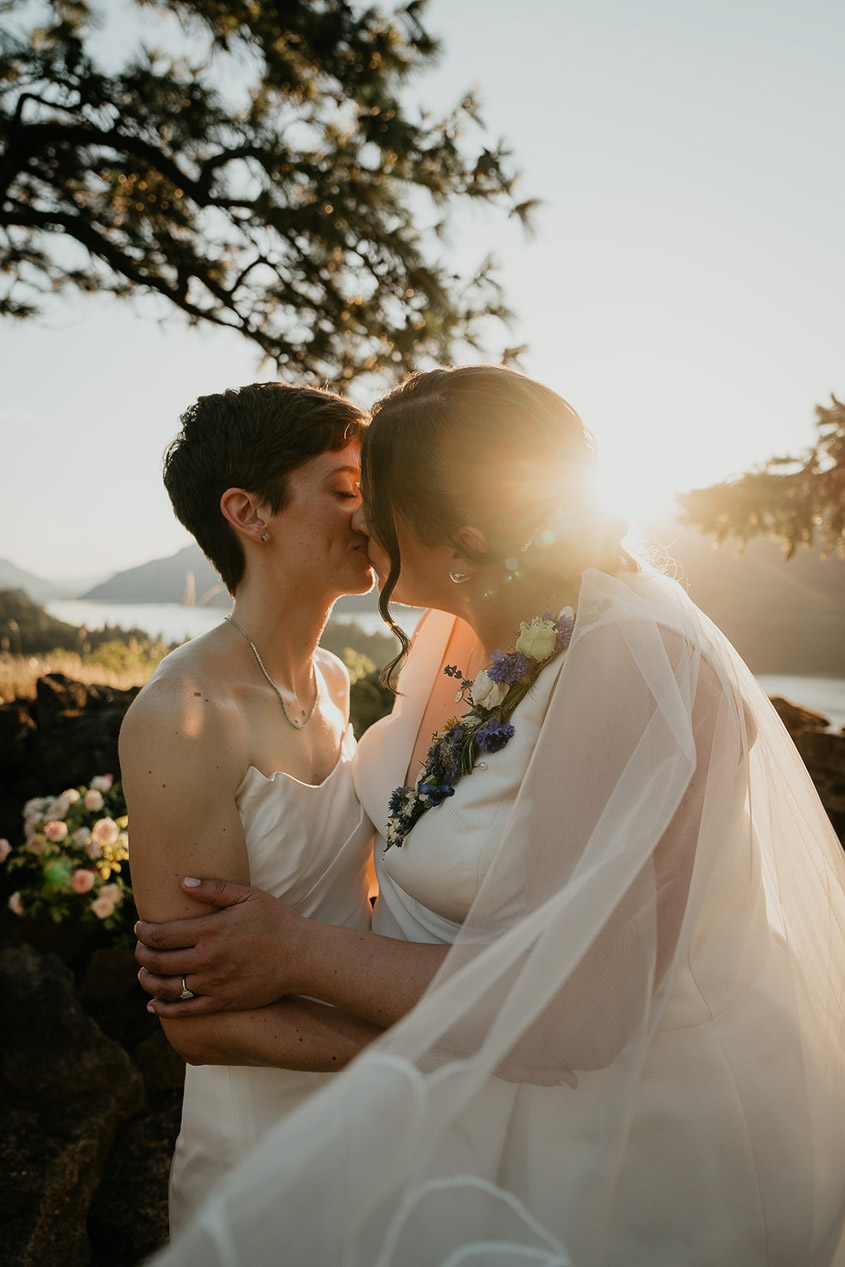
(436, 793)
(494, 735)
(507, 666)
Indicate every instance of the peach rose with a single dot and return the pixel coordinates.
(70, 795)
(83, 880)
(55, 831)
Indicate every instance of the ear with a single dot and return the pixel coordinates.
(245, 512)
(469, 550)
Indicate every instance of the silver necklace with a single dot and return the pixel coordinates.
(297, 725)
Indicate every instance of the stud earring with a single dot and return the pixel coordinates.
(459, 577)
(265, 536)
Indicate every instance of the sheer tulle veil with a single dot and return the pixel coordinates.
(664, 919)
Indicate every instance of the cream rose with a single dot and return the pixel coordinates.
(83, 880)
(112, 892)
(101, 782)
(93, 799)
(70, 795)
(5, 849)
(486, 693)
(55, 831)
(102, 907)
(537, 640)
(105, 832)
(81, 836)
(15, 904)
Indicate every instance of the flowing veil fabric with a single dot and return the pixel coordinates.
(635, 1050)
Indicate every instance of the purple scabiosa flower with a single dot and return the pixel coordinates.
(507, 666)
(564, 624)
(493, 736)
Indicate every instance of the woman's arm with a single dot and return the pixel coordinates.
(182, 759)
(377, 978)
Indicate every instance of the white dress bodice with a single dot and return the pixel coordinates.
(308, 844)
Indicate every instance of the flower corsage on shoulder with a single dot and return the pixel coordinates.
(485, 728)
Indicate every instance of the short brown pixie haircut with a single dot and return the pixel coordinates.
(251, 438)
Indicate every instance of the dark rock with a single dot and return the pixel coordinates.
(62, 738)
(128, 1220)
(823, 754)
(796, 718)
(64, 1090)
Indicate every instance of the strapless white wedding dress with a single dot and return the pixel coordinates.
(309, 844)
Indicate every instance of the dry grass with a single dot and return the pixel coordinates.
(18, 674)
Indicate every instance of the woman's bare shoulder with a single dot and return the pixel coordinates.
(188, 695)
(335, 675)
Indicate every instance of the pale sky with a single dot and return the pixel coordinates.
(683, 289)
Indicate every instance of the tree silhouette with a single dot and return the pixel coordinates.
(271, 180)
(800, 500)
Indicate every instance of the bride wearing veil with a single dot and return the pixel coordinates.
(611, 918)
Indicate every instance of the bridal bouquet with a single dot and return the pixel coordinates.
(72, 865)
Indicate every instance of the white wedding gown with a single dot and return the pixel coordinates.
(309, 844)
(635, 1051)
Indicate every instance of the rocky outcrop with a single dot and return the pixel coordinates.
(66, 1089)
(63, 737)
(823, 753)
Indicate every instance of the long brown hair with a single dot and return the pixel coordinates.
(482, 446)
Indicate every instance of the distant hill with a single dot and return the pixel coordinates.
(186, 577)
(781, 617)
(36, 587)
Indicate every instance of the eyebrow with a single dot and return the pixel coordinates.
(354, 471)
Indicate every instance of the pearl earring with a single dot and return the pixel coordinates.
(459, 577)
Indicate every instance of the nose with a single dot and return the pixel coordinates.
(359, 523)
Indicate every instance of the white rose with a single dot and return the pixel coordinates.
(34, 808)
(58, 807)
(81, 837)
(101, 782)
(93, 799)
(486, 693)
(537, 640)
